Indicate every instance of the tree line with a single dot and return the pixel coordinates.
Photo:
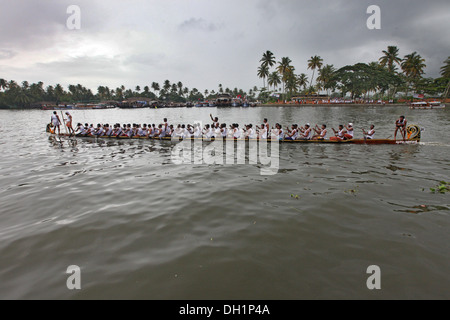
(385, 78)
(26, 95)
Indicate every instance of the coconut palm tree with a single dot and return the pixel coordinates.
(3, 84)
(23, 97)
(313, 64)
(302, 80)
(325, 78)
(390, 58)
(174, 88)
(412, 66)
(180, 87)
(268, 59)
(274, 80)
(263, 72)
(155, 86)
(445, 69)
(284, 66)
(291, 82)
(167, 85)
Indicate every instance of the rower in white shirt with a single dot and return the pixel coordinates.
(249, 132)
(321, 133)
(236, 131)
(262, 131)
(369, 134)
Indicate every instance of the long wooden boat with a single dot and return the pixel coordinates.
(424, 105)
(413, 137)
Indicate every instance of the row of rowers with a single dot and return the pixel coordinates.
(216, 130)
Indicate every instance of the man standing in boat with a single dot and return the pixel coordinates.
(69, 123)
(400, 124)
(56, 122)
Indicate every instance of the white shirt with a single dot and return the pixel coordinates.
(237, 133)
(197, 132)
(208, 133)
(350, 132)
(251, 133)
(224, 132)
(263, 133)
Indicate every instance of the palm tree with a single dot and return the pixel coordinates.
(274, 80)
(180, 88)
(25, 85)
(155, 86)
(445, 69)
(174, 88)
(268, 59)
(138, 89)
(284, 66)
(3, 84)
(389, 58)
(413, 65)
(313, 64)
(166, 85)
(263, 72)
(325, 78)
(23, 97)
(302, 80)
(291, 82)
(59, 92)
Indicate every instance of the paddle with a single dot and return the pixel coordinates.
(64, 120)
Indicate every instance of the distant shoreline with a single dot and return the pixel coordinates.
(333, 105)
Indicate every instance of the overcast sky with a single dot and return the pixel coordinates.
(206, 42)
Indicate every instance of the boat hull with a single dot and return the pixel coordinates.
(326, 141)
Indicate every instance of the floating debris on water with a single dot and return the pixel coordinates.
(442, 187)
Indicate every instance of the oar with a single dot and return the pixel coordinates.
(64, 120)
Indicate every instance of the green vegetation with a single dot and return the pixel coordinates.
(13, 95)
(442, 187)
(388, 78)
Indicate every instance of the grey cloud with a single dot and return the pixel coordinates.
(198, 24)
(206, 42)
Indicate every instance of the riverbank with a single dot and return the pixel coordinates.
(333, 105)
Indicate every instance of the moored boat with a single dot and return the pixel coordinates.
(427, 105)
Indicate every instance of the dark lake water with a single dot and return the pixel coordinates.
(142, 227)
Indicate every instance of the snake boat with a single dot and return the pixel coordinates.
(413, 135)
